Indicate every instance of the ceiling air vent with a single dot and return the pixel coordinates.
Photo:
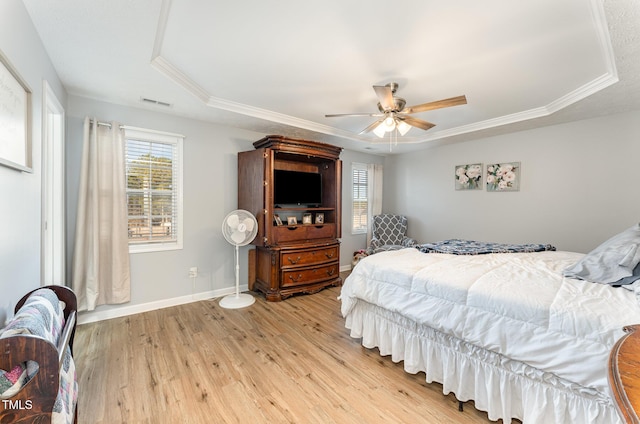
(155, 102)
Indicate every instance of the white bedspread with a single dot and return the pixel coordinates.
(515, 304)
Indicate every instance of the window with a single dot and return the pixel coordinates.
(360, 205)
(154, 190)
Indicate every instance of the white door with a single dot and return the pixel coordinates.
(53, 198)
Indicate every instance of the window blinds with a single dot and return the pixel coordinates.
(360, 198)
(152, 198)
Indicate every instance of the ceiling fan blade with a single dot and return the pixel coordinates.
(438, 104)
(385, 96)
(334, 115)
(415, 122)
(371, 127)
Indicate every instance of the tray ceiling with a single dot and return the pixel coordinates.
(279, 67)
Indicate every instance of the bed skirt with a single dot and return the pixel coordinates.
(502, 387)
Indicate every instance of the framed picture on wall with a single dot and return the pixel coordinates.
(15, 118)
(503, 176)
(468, 177)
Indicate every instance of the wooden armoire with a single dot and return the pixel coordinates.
(300, 252)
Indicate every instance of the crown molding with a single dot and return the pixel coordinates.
(280, 118)
(176, 75)
(181, 79)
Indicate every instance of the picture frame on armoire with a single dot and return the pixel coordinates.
(15, 118)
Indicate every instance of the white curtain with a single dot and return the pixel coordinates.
(374, 171)
(101, 255)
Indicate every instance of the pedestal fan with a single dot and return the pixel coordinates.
(239, 228)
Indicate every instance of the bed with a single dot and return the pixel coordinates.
(524, 333)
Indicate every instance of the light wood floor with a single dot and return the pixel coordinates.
(286, 362)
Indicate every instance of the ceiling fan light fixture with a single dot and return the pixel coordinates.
(389, 123)
(395, 114)
(380, 130)
(402, 127)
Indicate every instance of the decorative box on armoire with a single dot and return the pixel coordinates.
(294, 189)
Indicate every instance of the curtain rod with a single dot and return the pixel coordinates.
(127, 127)
(105, 124)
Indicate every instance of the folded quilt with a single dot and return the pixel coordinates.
(42, 315)
(472, 247)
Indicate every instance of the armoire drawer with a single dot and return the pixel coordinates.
(309, 257)
(327, 230)
(301, 276)
(289, 233)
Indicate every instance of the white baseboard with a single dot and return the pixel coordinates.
(94, 316)
(344, 268)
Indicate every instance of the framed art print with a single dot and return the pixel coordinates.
(503, 176)
(469, 177)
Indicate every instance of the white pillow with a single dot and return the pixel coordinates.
(610, 262)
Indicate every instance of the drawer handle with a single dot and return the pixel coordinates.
(331, 271)
(296, 279)
(294, 261)
(329, 255)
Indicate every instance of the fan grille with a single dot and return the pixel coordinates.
(239, 227)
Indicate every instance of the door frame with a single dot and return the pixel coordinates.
(53, 250)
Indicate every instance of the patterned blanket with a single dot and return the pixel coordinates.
(472, 247)
(42, 315)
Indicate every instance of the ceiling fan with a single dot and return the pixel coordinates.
(394, 114)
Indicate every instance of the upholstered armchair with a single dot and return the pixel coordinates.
(388, 232)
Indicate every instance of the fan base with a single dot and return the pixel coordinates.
(236, 301)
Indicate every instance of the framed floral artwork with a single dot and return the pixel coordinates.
(503, 176)
(469, 177)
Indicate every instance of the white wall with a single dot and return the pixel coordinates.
(571, 193)
(579, 186)
(210, 192)
(20, 207)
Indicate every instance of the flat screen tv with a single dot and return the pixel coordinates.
(297, 188)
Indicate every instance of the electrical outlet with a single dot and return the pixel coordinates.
(193, 272)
